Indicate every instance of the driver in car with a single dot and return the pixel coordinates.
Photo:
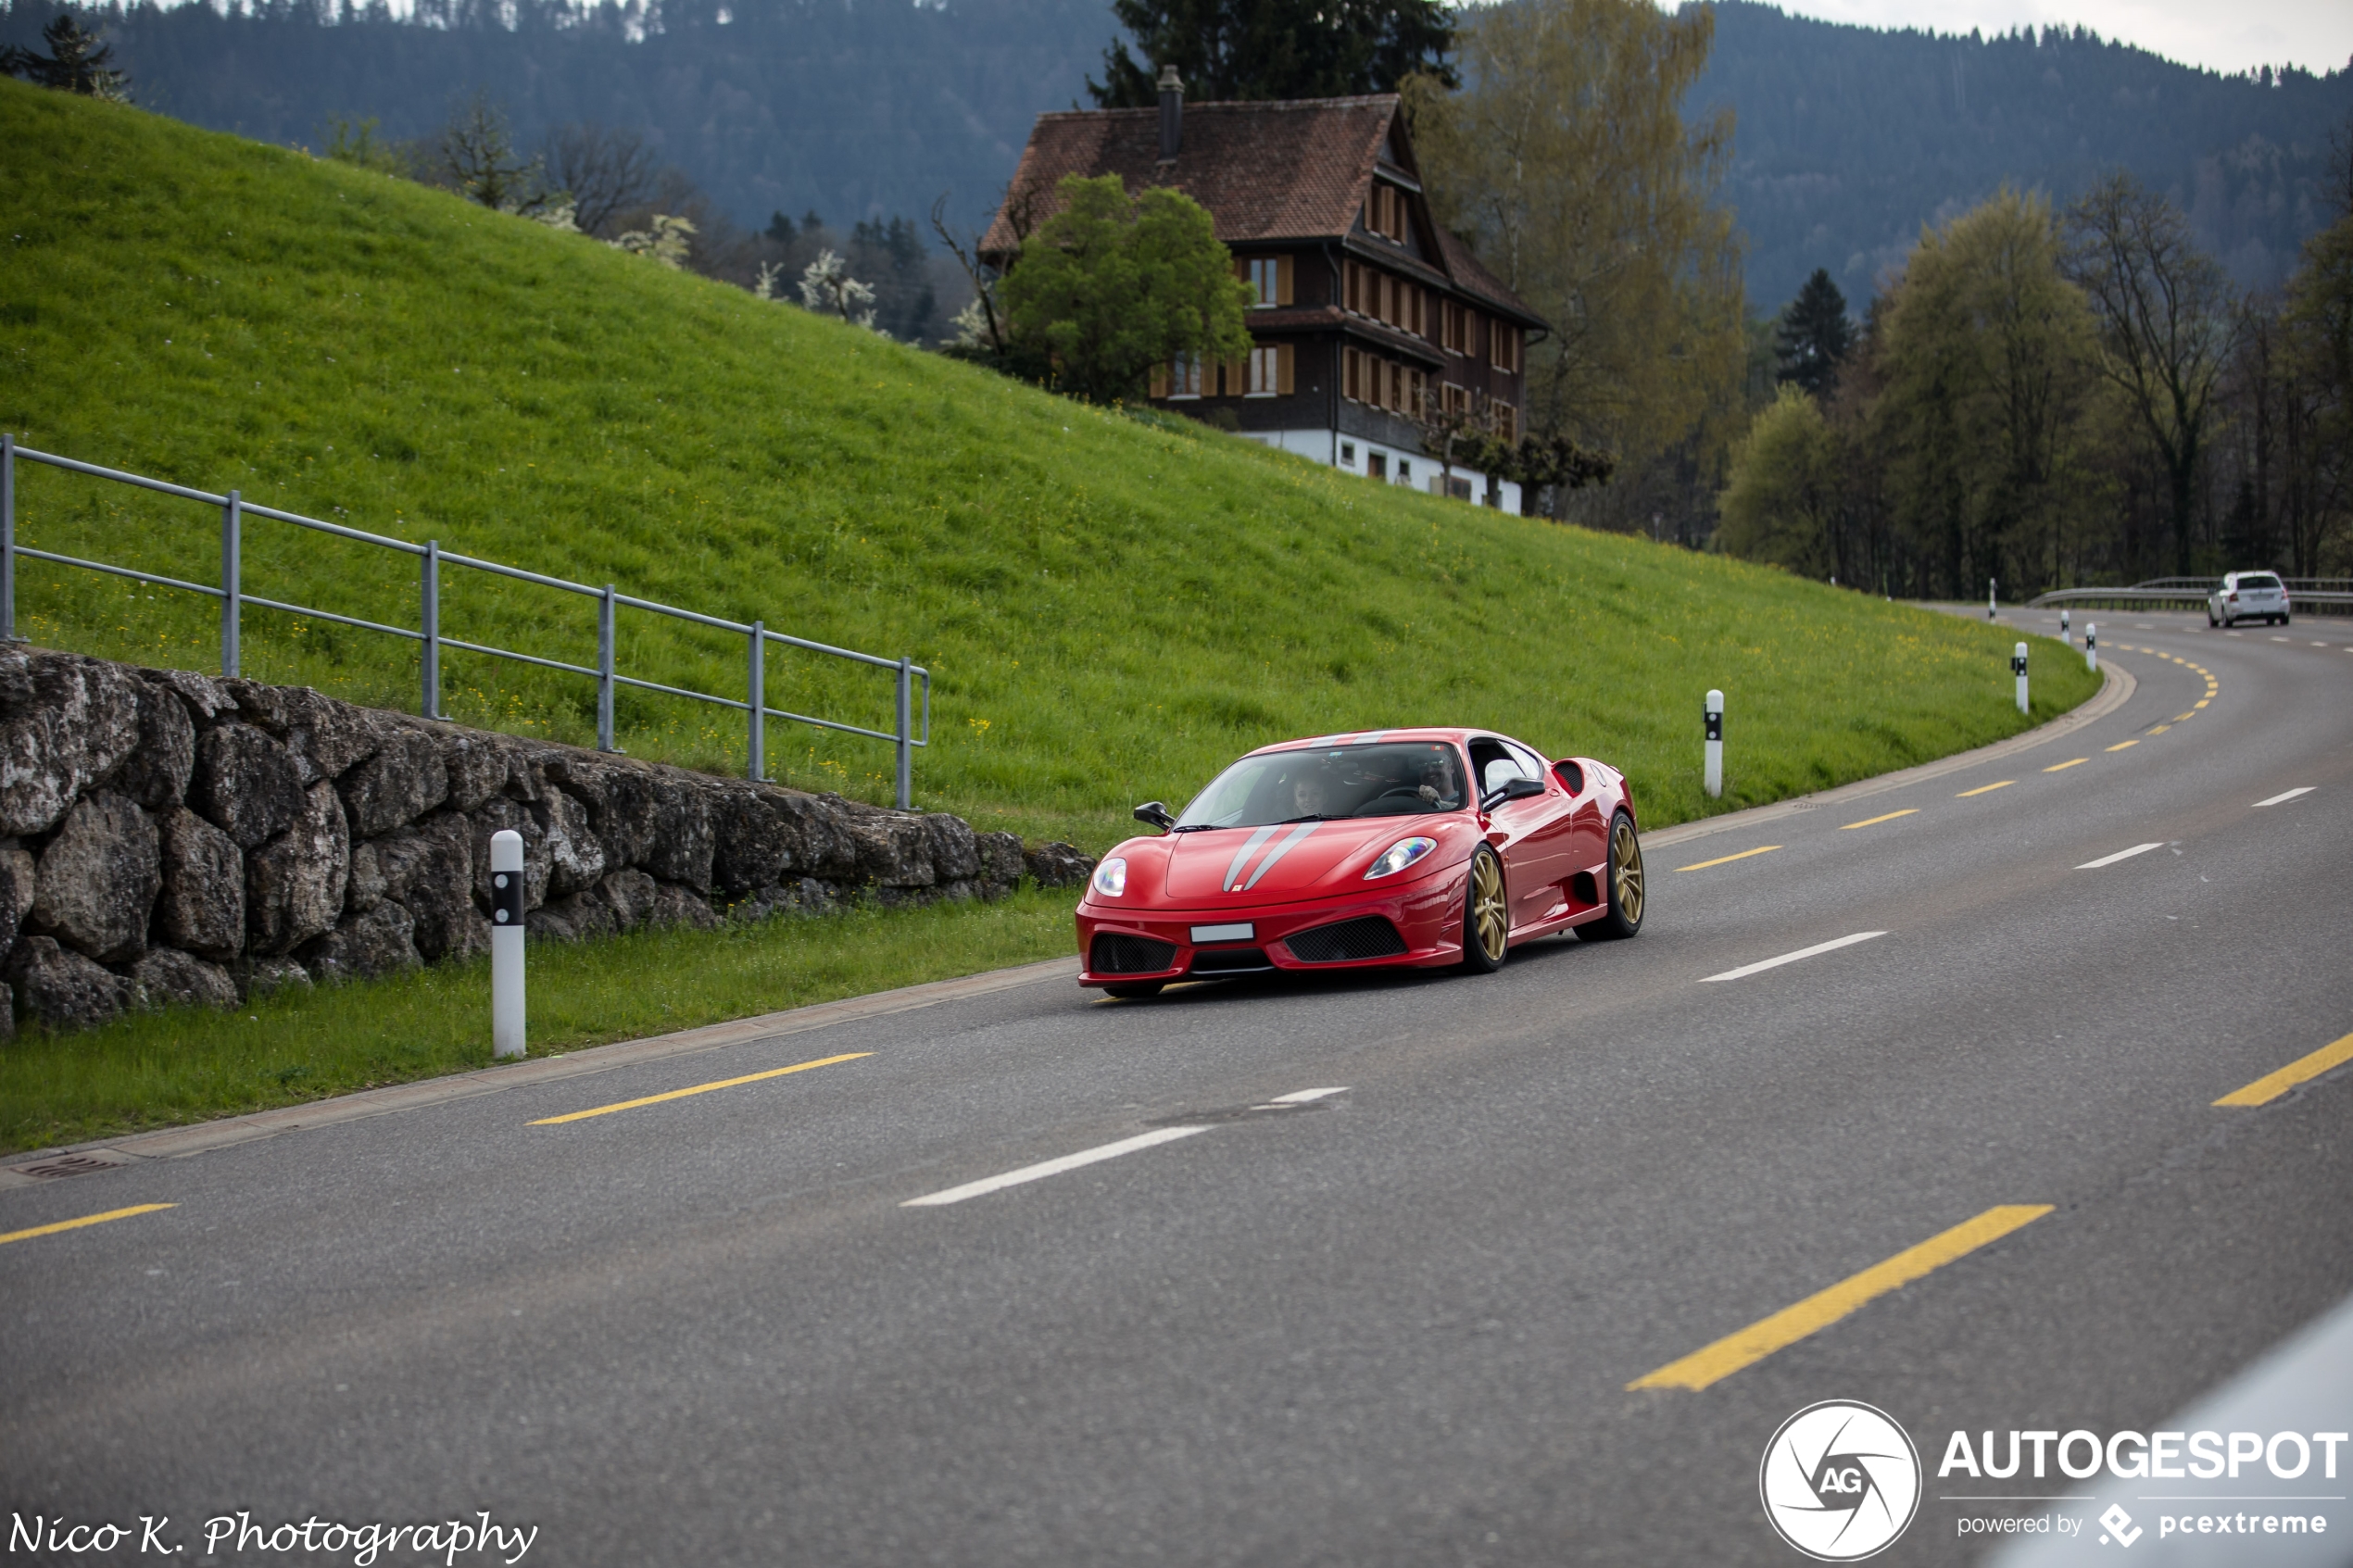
(1437, 779)
(1310, 793)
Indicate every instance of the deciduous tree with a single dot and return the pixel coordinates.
(1566, 162)
(2166, 325)
(1110, 286)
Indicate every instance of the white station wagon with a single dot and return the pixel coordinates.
(2247, 596)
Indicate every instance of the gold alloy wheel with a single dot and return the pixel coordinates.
(1626, 872)
(1488, 909)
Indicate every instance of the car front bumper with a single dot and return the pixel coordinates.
(1426, 912)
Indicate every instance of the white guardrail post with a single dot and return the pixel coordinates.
(2017, 668)
(1713, 714)
(2091, 645)
(2066, 630)
(506, 943)
(1990, 583)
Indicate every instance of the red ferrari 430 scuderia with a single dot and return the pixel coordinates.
(1404, 849)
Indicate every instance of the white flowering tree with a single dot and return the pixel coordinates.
(827, 288)
(669, 241)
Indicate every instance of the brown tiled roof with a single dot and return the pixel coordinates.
(1282, 171)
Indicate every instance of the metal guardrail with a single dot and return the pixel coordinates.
(431, 558)
(2308, 593)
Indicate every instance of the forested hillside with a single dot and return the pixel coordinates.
(1851, 138)
(1848, 138)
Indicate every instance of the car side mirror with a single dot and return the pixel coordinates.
(1513, 789)
(1154, 813)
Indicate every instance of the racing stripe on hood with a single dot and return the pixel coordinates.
(1277, 853)
(1242, 855)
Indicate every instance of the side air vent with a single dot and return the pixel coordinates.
(1116, 953)
(1371, 937)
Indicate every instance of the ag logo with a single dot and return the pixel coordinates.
(1840, 1481)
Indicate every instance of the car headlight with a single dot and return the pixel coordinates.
(1110, 877)
(1398, 856)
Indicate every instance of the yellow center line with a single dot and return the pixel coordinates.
(2183, 717)
(86, 1219)
(2057, 766)
(2160, 729)
(1817, 1312)
(2198, 704)
(698, 1089)
(1984, 789)
(1873, 822)
(2271, 1087)
(2123, 744)
(1728, 860)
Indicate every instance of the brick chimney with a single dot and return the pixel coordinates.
(1172, 113)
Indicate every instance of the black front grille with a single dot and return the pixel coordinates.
(1117, 953)
(1231, 960)
(1370, 937)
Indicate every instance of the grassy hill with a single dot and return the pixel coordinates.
(1112, 606)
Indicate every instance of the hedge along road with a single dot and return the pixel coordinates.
(1353, 1273)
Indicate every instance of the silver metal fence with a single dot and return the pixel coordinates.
(430, 558)
(2311, 595)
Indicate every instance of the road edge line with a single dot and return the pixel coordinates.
(228, 1132)
(2116, 689)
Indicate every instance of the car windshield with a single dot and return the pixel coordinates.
(2258, 580)
(1400, 779)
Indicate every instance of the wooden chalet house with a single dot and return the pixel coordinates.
(1367, 310)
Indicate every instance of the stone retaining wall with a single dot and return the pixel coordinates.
(167, 838)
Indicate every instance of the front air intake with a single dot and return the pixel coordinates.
(1117, 953)
(1370, 937)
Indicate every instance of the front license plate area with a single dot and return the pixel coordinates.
(1237, 931)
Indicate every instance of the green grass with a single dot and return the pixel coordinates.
(1112, 608)
(161, 1069)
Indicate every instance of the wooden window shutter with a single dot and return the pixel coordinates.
(1236, 377)
(1282, 280)
(1160, 381)
(1283, 357)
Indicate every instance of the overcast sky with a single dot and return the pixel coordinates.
(2226, 35)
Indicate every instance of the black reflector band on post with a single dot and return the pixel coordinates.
(1714, 726)
(506, 899)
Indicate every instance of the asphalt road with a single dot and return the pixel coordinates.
(1395, 1324)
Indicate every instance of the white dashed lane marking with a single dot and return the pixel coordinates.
(2289, 795)
(1764, 964)
(2120, 855)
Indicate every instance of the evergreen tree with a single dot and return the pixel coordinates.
(1814, 337)
(1261, 49)
(77, 62)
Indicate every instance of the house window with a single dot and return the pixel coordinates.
(1270, 275)
(1405, 470)
(1506, 420)
(1184, 376)
(1266, 367)
(1348, 453)
(1506, 342)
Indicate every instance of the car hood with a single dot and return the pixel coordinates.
(1226, 865)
